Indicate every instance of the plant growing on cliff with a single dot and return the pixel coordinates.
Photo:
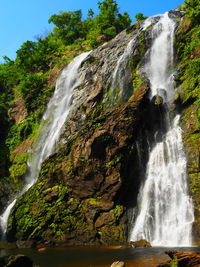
(140, 17)
(109, 21)
(192, 9)
(69, 26)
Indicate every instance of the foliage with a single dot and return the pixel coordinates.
(69, 26)
(192, 9)
(31, 76)
(174, 262)
(140, 17)
(188, 46)
(19, 166)
(21, 131)
(110, 21)
(32, 90)
(9, 77)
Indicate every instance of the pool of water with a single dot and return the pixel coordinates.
(96, 256)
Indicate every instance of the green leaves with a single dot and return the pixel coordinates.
(192, 9)
(110, 21)
(140, 17)
(32, 88)
(69, 26)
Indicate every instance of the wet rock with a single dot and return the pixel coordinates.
(140, 243)
(85, 182)
(18, 112)
(191, 141)
(118, 264)
(176, 13)
(177, 97)
(26, 244)
(18, 261)
(182, 259)
(157, 100)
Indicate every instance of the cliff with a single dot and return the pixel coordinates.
(86, 189)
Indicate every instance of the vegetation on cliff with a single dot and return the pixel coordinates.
(188, 80)
(27, 83)
(79, 196)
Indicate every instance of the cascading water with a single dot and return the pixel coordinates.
(166, 211)
(119, 78)
(51, 126)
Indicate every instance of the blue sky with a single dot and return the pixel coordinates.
(22, 20)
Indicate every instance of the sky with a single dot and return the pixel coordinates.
(22, 20)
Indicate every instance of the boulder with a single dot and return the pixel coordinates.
(26, 244)
(16, 261)
(140, 243)
(82, 186)
(118, 264)
(182, 259)
(157, 100)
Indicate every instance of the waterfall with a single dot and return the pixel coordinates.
(51, 127)
(165, 212)
(119, 77)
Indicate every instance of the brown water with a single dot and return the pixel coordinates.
(96, 257)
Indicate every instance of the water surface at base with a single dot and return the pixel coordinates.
(100, 257)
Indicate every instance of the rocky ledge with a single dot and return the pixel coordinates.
(182, 259)
(81, 196)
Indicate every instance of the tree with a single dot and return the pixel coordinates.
(140, 17)
(69, 26)
(110, 21)
(90, 14)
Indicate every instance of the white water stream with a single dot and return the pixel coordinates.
(165, 213)
(118, 76)
(51, 127)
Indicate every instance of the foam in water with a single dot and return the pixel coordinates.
(51, 126)
(166, 211)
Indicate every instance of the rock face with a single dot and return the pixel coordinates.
(182, 259)
(191, 138)
(18, 112)
(85, 189)
(16, 261)
(81, 194)
(187, 101)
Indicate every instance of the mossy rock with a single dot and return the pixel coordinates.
(140, 243)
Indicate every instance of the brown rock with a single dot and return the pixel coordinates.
(118, 264)
(140, 243)
(26, 244)
(184, 259)
(18, 112)
(105, 218)
(19, 261)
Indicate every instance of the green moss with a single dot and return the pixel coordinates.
(94, 201)
(137, 80)
(188, 45)
(113, 162)
(118, 210)
(194, 184)
(19, 166)
(112, 235)
(174, 262)
(90, 60)
(28, 128)
(142, 43)
(127, 118)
